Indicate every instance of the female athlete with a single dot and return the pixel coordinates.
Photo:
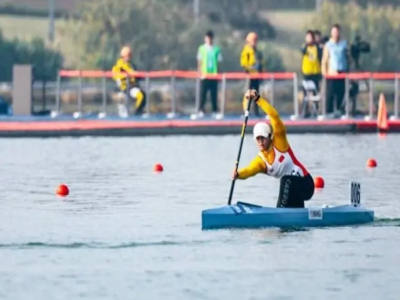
(277, 159)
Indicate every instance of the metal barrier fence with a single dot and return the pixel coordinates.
(225, 78)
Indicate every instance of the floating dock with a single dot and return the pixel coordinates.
(162, 126)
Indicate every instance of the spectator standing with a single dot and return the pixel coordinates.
(311, 64)
(209, 58)
(335, 60)
(251, 60)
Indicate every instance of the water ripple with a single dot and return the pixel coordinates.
(149, 225)
(76, 245)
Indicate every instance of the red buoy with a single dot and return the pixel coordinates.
(62, 190)
(158, 168)
(319, 182)
(371, 163)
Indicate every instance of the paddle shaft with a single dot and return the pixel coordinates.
(240, 149)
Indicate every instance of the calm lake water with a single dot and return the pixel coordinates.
(128, 233)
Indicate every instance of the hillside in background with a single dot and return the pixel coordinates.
(69, 5)
(286, 33)
(289, 32)
(147, 18)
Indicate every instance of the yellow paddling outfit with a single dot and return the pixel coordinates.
(279, 161)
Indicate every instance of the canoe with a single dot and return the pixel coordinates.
(247, 215)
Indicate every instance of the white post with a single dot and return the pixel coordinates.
(396, 97)
(172, 113)
(223, 95)
(295, 97)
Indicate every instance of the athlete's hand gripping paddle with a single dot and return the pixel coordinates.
(249, 96)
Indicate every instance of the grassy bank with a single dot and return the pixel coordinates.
(24, 27)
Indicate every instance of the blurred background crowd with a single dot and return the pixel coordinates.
(313, 38)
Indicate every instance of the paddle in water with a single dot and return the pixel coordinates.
(246, 117)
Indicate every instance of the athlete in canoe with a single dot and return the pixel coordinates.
(277, 159)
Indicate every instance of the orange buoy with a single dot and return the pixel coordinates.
(62, 190)
(371, 163)
(158, 168)
(319, 182)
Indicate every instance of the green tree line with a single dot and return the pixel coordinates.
(164, 34)
(366, 3)
(46, 62)
(22, 7)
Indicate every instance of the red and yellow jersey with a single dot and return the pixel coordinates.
(279, 159)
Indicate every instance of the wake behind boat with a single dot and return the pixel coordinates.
(246, 215)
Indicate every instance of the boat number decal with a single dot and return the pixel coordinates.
(315, 213)
(355, 194)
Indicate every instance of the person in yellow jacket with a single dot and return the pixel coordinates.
(311, 63)
(128, 84)
(251, 60)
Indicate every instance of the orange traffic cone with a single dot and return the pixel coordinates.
(382, 121)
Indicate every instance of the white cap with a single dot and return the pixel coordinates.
(262, 129)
